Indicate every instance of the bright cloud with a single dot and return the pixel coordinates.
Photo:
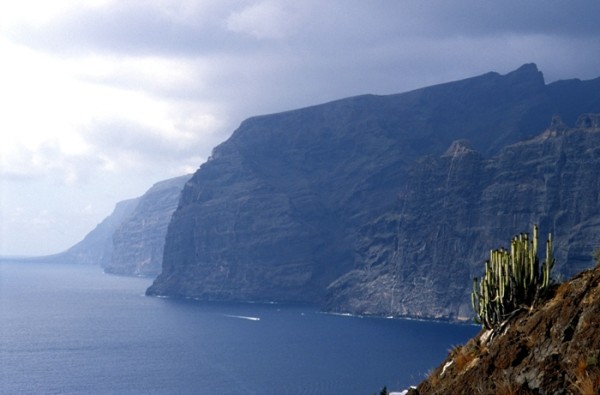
(50, 105)
(267, 19)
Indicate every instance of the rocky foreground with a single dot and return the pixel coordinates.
(552, 349)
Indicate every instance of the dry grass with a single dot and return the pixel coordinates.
(587, 377)
(506, 387)
(434, 379)
(465, 355)
(462, 358)
(581, 367)
(560, 292)
(586, 385)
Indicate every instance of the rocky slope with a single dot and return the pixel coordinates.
(419, 257)
(295, 201)
(552, 349)
(138, 241)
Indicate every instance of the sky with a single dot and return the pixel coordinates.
(100, 99)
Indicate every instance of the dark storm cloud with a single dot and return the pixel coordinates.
(577, 18)
(264, 56)
(152, 28)
(346, 47)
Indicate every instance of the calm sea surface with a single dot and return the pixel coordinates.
(74, 330)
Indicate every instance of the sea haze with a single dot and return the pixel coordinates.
(71, 329)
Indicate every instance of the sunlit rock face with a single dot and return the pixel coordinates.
(342, 203)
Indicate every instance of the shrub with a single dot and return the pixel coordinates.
(513, 280)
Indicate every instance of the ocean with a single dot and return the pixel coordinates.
(74, 330)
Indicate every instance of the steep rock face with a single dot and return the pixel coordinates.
(553, 349)
(414, 260)
(275, 214)
(418, 258)
(138, 241)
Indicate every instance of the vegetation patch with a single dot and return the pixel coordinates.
(514, 279)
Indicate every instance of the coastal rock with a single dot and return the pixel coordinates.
(418, 259)
(282, 210)
(138, 241)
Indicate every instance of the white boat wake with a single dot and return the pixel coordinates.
(242, 317)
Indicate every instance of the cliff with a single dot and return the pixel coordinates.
(139, 240)
(96, 247)
(294, 205)
(131, 239)
(552, 349)
(418, 258)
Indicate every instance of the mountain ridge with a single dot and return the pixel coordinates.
(276, 212)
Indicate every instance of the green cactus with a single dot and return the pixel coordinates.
(512, 279)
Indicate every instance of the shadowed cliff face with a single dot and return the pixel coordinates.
(419, 257)
(280, 210)
(553, 349)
